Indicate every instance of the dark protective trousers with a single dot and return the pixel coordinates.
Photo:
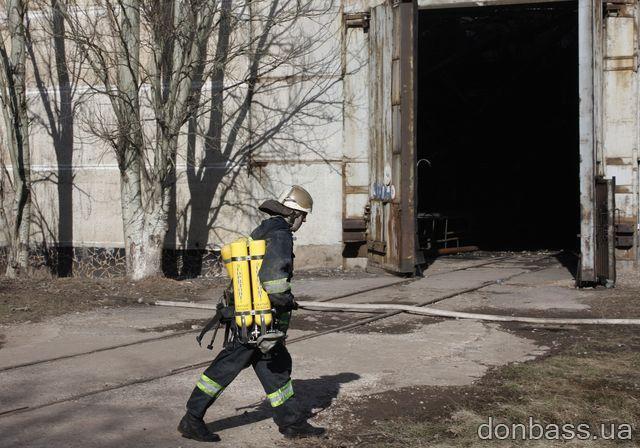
(273, 370)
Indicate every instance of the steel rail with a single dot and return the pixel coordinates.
(181, 333)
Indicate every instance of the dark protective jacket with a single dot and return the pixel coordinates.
(275, 277)
(277, 265)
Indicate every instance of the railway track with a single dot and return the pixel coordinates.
(181, 333)
(186, 368)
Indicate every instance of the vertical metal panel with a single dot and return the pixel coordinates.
(598, 87)
(355, 188)
(605, 265)
(408, 60)
(392, 135)
(396, 114)
(620, 114)
(586, 29)
(611, 231)
(396, 88)
(380, 88)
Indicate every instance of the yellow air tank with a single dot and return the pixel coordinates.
(241, 284)
(261, 302)
(225, 253)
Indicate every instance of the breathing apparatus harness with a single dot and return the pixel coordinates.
(247, 311)
(245, 308)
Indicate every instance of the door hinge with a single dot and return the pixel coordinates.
(357, 20)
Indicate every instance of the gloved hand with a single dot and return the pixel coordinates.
(283, 301)
(288, 306)
(267, 341)
(283, 309)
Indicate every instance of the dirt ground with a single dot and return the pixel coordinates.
(34, 300)
(589, 375)
(562, 374)
(30, 300)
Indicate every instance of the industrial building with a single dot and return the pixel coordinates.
(507, 125)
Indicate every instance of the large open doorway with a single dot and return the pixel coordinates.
(498, 127)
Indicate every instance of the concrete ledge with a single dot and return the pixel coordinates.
(105, 262)
(318, 256)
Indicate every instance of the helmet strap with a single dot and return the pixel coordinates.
(295, 220)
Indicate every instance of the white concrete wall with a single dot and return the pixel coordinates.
(306, 149)
(325, 149)
(620, 116)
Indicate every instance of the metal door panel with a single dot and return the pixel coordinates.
(605, 265)
(589, 62)
(391, 237)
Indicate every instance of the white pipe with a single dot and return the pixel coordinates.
(459, 315)
(375, 307)
(202, 306)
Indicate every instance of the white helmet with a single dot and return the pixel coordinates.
(297, 198)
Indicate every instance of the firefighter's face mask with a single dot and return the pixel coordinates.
(296, 221)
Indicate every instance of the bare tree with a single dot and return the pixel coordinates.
(112, 42)
(13, 100)
(152, 59)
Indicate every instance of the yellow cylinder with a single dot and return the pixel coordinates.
(241, 283)
(261, 302)
(225, 253)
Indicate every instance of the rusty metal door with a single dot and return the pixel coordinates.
(605, 232)
(392, 64)
(590, 92)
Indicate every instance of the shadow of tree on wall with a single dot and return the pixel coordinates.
(51, 64)
(230, 140)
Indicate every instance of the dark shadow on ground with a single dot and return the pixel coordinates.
(315, 394)
(570, 261)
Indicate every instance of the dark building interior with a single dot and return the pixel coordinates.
(498, 127)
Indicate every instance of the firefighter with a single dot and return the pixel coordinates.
(270, 358)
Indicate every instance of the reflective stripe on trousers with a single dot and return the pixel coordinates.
(208, 386)
(278, 397)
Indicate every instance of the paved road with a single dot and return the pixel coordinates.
(328, 368)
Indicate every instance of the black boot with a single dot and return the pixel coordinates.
(301, 430)
(194, 428)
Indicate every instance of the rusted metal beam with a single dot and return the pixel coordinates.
(354, 224)
(357, 20)
(354, 237)
(587, 142)
(457, 250)
(408, 12)
(356, 189)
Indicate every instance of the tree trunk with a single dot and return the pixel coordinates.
(18, 261)
(131, 206)
(146, 254)
(144, 243)
(143, 236)
(145, 228)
